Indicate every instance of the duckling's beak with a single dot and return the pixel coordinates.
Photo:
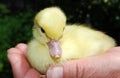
(55, 49)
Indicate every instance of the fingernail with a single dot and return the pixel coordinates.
(55, 72)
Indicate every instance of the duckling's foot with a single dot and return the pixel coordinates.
(54, 49)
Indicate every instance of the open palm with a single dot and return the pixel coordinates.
(102, 66)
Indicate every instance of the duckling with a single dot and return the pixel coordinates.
(55, 42)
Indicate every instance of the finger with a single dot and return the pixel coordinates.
(114, 51)
(19, 64)
(22, 47)
(103, 66)
(55, 72)
(32, 73)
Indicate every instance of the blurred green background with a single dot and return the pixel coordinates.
(16, 21)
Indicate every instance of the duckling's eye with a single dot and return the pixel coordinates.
(42, 30)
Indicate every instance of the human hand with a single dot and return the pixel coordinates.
(19, 63)
(106, 65)
(102, 66)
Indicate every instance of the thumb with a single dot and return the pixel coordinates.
(103, 66)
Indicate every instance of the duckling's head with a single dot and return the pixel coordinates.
(48, 28)
(51, 21)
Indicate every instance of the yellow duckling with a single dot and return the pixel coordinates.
(55, 42)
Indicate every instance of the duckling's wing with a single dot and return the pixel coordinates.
(80, 41)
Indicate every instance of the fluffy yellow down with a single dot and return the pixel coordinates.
(76, 41)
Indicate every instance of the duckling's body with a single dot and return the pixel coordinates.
(79, 41)
(76, 41)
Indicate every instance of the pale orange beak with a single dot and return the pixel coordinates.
(55, 49)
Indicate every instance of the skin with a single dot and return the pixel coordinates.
(106, 65)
